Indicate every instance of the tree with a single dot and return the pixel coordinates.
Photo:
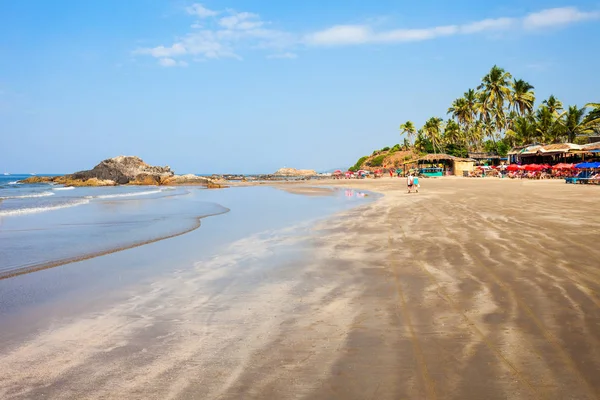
(554, 106)
(574, 123)
(433, 131)
(495, 90)
(592, 120)
(409, 129)
(523, 130)
(523, 97)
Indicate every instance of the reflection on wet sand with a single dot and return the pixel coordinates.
(460, 292)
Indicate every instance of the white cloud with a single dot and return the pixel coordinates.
(227, 33)
(169, 62)
(200, 11)
(487, 25)
(340, 35)
(288, 55)
(558, 16)
(242, 21)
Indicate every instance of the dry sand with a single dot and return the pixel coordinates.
(471, 289)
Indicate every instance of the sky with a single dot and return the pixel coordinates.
(249, 86)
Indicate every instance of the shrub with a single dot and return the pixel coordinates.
(358, 164)
(385, 149)
(395, 148)
(377, 161)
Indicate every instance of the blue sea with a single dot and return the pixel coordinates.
(49, 225)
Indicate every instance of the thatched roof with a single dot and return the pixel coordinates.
(560, 148)
(592, 146)
(437, 157)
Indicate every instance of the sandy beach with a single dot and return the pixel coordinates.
(470, 289)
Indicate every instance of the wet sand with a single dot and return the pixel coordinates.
(471, 289)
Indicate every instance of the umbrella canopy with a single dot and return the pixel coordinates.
(337, 172)
(533, 167)
(585, 165)
(514, 167)
(563, 166)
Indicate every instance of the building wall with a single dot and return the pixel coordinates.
(460, 166)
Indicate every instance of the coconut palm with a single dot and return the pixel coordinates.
(592, 120)
(523, 97)
(548, 128)
(554, 105)
(452, 133)
(460, 111)
(574, 123)
(433, 131)
(522, 130)
(408, 128)
(496, 87)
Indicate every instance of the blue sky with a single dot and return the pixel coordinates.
(252, 86)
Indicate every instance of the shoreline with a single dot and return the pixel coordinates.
(57, 263)
(456, 292)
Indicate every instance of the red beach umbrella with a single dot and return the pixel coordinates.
(532, 167)
(513, 167)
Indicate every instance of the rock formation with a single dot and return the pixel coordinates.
(295, 172)
(125, 170)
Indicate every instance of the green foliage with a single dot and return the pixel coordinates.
(385, 149)
(456, 150)
(377, 161)
(358, 164)
(395, 148)
(375, 153)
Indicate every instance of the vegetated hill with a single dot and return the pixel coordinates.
(386, 157)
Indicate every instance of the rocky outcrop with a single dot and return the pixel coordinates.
(125, 170)
(295, 172)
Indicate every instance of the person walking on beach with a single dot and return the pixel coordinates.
(416, 183)
(409, 182)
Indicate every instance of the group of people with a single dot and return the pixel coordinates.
(412, 181)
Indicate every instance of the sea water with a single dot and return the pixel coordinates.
(131, 233)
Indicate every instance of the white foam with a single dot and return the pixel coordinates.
(34, 210)
(111, 196)
(27, 196)
(64, 188)
(13, 183)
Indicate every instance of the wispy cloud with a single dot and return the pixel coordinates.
(227, 33)
(169, 62)
(287, 55)
(220, 35)
(200, 11)
(361, 34)
(555, 17)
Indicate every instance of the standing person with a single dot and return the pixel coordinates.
(409, 181)
(391, 171)
(416, 183)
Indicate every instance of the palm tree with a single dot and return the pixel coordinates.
(433, 131)
(554, 105)
(495, 86)
(452, 134)
(592, 120)
(574, 123)
(460, 111)
(547, 127)
(522, 131)
(523, 97)
(409, 129)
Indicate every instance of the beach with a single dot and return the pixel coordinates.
(470, 289)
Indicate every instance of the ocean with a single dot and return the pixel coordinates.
(54, 239)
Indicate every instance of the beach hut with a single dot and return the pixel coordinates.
(442, 164)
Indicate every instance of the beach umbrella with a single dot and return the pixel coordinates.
(532, 167)
(584, 165)
(512, 167)
(563, 166)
